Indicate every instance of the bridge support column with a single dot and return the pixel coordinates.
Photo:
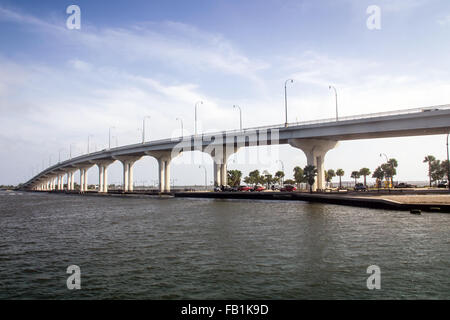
(315, 151)
(130, 176)
(220, 160)
(103, 174)
(82, 177)
(167, 175)
(68, 181)
(127, 162)
(161, 174)
(217, 175)
(164, 158)
(61, 182)
(86, 179)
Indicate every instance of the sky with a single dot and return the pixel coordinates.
(133, 59)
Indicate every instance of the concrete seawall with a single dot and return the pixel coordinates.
(365, 201)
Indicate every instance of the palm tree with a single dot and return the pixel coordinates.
(310, 172)
(355, 175)
(268, 178)
(299, 177)
(430, 159)
(329, 175)
(234, 177)
(364, 172)
(379, 175)
(280, 176)
(340, 173)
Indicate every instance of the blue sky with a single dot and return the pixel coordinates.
(136, 58)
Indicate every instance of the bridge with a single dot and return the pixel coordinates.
(314, 138)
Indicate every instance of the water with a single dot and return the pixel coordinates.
(155, 248)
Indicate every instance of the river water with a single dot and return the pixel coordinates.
(174, 248)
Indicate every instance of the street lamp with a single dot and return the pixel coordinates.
(182, 129)
(201, 102)
(89, 136)
(70, 150)
(392, 167)
(448, 165)
(109, 135)
(143, 128)
(282, 168)
(59, 155)
(335, 95)
(285, 100)
(240, 115)
(206, 176)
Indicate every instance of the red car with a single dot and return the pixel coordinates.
(244, 188)
(288, 188)
(259, 188)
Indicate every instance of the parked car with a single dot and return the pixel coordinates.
(275, 187)
(443, 184)
(288, 188)
(226, 188)
(403, 185)
(360, 187)
(244, 188)
(259, 188)
(217, 189)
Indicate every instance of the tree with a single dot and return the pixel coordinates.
(430, 159)
(355, 175)
(253, 177)
(378, 174)
(445, 168)
(340, 173)
(310, 172)
(267, 178)
(279, 175)
(329, 175)
(299, 176)
(437, 171)
(365, 172)
(234, 177)
(289, 181)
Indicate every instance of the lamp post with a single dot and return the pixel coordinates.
(89, 142)
(392, 167)
(282, 169)
(143, 128)
(285, 100)
(182, 129)
(49, 160)
(240, 115)
(201, 102)
(206, 176)
(59, 155)
(109, 135)
(448, 165)
(336, 99)
(70, 150)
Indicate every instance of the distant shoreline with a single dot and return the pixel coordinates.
(428, 201)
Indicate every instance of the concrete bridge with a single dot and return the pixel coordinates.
(315, 138)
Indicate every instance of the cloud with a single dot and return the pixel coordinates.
(444, 21)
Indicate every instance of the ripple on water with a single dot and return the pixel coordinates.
(217, 249)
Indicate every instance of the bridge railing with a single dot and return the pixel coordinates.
(249, 130)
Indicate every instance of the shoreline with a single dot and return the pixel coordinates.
(383, 201)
